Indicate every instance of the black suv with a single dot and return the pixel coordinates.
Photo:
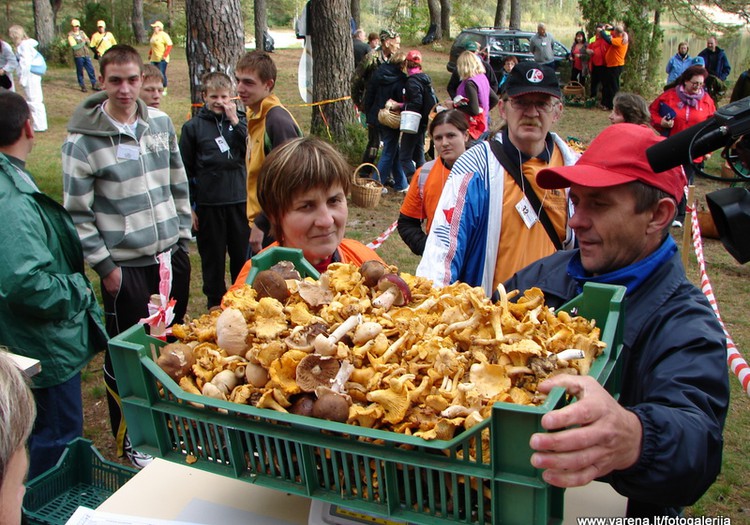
(500, 43)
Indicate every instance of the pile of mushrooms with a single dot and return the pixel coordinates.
(380, 349)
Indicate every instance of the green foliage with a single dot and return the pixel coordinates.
(413, 22)
(59, 53)
(353, 144)
(466, 14)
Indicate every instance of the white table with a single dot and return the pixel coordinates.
(167, 490)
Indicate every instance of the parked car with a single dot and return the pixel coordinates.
(497, 43)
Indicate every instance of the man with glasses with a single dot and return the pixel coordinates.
(492, 218)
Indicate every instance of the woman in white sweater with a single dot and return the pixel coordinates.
(31, 82)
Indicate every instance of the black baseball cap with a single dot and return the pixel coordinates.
(530, 77)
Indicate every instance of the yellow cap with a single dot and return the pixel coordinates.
(158, 24)
(101, 23)
(75, 23)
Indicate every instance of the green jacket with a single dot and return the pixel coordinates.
(48, 310)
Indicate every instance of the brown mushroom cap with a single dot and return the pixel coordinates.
(315, 370)
(333, 407)
(286, 269)
(302, 405)
(398, 286)
(176, 359)
(269, 283)
(372, 271)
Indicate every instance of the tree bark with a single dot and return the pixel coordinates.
(515, 14)
(215, 40)
(261, 22)
(333, 58)
(356, 14)
(136, 21)
(44, 24)
(445, 18)
(434, 8)
(501, 13)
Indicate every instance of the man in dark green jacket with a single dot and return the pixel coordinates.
(48, 310)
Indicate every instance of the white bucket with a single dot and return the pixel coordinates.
(410, 121)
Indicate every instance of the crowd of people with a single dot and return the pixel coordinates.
(505, 203)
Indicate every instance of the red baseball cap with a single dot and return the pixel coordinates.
(414, 56)
(616, 156)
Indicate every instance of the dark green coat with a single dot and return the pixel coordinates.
(48, 310)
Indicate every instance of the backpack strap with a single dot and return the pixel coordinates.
(515, 172)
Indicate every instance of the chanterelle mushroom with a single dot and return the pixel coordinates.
(395, 291)
(316, 370)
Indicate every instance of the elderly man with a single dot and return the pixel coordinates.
(541, 45)
(492, 218)
(660, 443)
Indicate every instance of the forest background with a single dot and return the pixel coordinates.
(730, 495)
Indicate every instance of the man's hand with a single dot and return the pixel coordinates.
(256, 239)
(606, 437)
(113, 281)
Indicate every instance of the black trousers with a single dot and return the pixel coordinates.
(125, 309)
(611, 85)
(597, 72)
(222, 230)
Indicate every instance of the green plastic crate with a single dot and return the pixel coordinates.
(267, 258)
(393, 475)
(82, 477)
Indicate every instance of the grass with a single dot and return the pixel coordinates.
(729, 496)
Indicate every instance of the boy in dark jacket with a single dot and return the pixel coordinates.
(213, 145)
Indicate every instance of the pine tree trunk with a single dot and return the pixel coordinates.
(515, 14)
(434, 8)
(44, 24)
(355, 12)
(333, 58)
(261, 22)
(501, 13)
(445, 18)
(137, 22)
(215, 40)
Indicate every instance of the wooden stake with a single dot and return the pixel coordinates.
(687, 231)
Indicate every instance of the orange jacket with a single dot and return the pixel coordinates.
(615, 55)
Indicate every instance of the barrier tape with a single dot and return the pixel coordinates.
(377, 243)
(736, 362)
(321, 103)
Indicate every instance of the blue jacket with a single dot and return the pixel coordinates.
(386, 83)
(674, 380)
(717, 62)
(677, 65)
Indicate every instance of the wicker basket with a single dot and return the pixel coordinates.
(389, 118)
(366, 192)
(574, 88)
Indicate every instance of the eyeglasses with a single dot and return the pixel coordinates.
(542, 106)
(695, 83)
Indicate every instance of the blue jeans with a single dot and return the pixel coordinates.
(59, 420)
(411, 153)
(163, 68)
(388, 165)
(81, 63)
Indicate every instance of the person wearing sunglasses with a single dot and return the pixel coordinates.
(492, 218)
(680, 107)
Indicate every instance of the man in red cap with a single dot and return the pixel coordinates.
(492, 218)
(660, 443)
